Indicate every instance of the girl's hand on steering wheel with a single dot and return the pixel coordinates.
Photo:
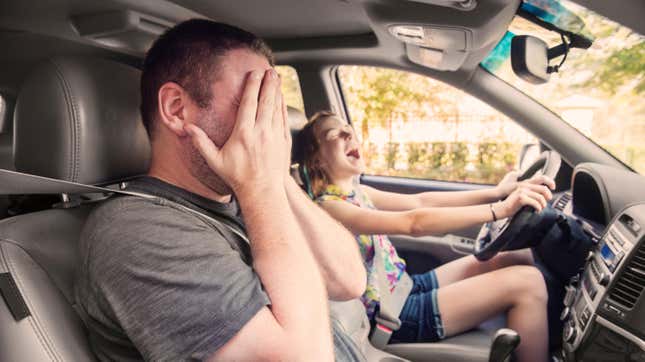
(525, 194)
(509, 184)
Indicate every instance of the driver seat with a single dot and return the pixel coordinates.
(473, 345)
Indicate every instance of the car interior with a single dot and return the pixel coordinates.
(69, 118)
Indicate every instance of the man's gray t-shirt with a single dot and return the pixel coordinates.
(157, 282)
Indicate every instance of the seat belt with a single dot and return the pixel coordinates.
(391, 302)
(211, 219)
(16, 183)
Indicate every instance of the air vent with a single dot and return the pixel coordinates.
(631, 282)
(562, 201)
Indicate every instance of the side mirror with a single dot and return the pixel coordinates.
(530, 59)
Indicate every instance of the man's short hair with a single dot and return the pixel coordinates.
(188, 54)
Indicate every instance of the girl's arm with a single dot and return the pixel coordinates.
(398, 202)
(429, 220)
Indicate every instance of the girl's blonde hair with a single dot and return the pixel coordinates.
(314, 176)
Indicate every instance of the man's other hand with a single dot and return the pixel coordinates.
(252, 159)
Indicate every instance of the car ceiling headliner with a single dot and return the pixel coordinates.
(300, 31)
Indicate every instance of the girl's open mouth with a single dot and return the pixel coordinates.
(354, 153)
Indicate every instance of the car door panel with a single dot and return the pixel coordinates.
(427, 252)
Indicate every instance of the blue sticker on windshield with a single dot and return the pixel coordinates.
(553, 12)
(499, 54)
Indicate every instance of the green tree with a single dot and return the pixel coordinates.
(381, 96)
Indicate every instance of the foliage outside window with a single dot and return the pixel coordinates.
(291, 87)
(599, 91)
(413, 126)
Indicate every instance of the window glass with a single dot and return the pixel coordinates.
(599, 91)
(410, 125)
(291, 87)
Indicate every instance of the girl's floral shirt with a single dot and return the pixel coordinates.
(394, 265)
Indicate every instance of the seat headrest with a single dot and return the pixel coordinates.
(77, 119)
(297, 120)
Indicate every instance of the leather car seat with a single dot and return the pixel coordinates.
(75, 119)
(6, 156)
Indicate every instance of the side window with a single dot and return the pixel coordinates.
(291, 87)
(413, 126)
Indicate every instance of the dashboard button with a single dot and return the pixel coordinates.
(570, 295)
(570, 333)
(592, 293)
(603, 279)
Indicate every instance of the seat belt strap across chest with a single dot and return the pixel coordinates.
(211, 219)
(391, 300)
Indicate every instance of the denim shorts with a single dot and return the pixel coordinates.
(420, 318)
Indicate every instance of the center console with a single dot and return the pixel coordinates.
(604, 311)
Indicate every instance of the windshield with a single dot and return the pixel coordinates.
(599, 91)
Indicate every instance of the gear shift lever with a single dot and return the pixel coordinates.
(504, 343)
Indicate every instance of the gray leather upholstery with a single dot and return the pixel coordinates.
(6, 151)
(6, 162)
(297, 120)
(353, 320)
(77, 119)
(40, 252)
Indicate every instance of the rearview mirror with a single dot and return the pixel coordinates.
(529, 58)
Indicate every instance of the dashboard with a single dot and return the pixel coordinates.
(604, 312)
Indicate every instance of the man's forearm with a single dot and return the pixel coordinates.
(288, 271)
(333, 246)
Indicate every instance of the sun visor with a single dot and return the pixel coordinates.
(436, 47)
(450, 60)
(126, 29)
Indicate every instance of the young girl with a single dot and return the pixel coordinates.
(454, 297)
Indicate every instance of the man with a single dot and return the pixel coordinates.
(158, 282)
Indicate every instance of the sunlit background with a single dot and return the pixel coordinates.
(413, 126)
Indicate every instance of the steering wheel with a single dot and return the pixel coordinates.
(507, 234)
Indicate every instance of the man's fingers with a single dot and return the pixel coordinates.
(266, 102)
(247, 111)
(204, 145)
(278, 115)
(285, 116)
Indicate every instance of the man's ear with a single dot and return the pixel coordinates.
(173, 107)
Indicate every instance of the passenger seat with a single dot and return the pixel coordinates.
(6, 155)
(76, 119)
